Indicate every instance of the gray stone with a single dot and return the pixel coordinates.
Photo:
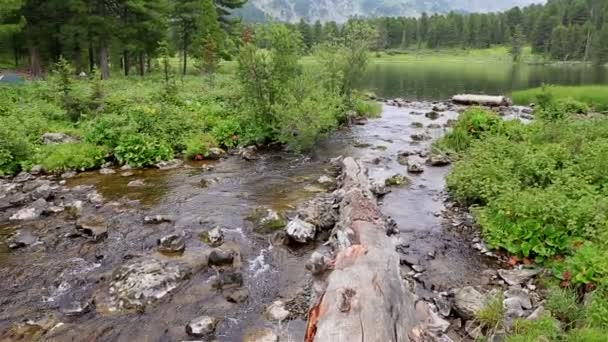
(138, 183)
(420, 137)
(443, 306)
(57, 138)
(36, 170)
(518, 276)
(157, 219)
(513, 308)
(468, 302)
(301, 231)
(537, 314)
(473, 329)
(32, 212)
(68, 174)
(24, 238)
(76, 308)
(326, 181)
(249, 153)
(172, 244)
(439, 160)
(415, 165)
(237, 296)
(320, 212)
(23, 177)
(170, 164)
(277, 312)
(226, 280)
(522, 296)
(95, 198)
(216, 153)
(261, 335)
(107, 171)
(219, 257)
(93, 226)
(127, 174)
(379, 189)
(143, 281)
(432, 115)
(215, 236)
(45, 191)
(202, 326)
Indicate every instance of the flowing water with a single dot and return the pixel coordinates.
(41, 279)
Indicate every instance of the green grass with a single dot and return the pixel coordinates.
(498, 54)
(596, 96)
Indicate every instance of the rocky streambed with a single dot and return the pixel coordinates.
(217, 250)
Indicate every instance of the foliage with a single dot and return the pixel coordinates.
(563, 305)
(78, 156)
(198, 145)
(492, 314)
(545, 328)
(595, 97)
(142, 150)
(518, 40)
(366, 109)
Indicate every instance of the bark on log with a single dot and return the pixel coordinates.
(360, 295)
(482, 100)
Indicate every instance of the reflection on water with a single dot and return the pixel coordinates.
(440, 81)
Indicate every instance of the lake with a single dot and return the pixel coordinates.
(421, 80)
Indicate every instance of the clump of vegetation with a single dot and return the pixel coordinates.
(79, 156)
(492, 315)
(198, 145)
(594, 97)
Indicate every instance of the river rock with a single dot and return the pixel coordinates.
(172, 244)
(228, 280)
(216, 153)
(127, 174)
(214, 237)
(95, 198)
(397, 180)
(32, 185)
(474, 329)
(237, 296)
(45, 191)
(318, 263)
(14, 200)
(57, 138)
(444, 307)
(249, 153)
(415, 165)
(327, 181)
(23, 177)
(32, 212)
(170, 164)
(438, 160)
(202, 326)
(37, 170)
(157, 219)
(93, 226)
(277, 312)
(68, 174)
(143, 281)
(24, 238)
(379, 189)
(432, 115)
(267, 220)
(420, 136)
(107, 171)
(521, 295)
(138, 183)
(219, 257)
(261, 335)
(518, 276)
(467, 302)
(301, 231)
(76, 308)
(320, 212)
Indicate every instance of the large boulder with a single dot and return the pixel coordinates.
(415, 165)
(142, 282)
(301, 231)
(468, 302)
(172, 244)
(320, 212)
(32, 212)
(57, 138)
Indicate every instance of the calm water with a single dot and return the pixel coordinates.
(437, 81)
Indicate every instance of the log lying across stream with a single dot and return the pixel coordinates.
(360, 295)
(482, 100)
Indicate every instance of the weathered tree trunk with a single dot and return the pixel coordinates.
(91, 57)
(185, 52)
(364, 296)
(142, 64)
(35, 65)
(125, 61)
(482, 100)
(104, 62)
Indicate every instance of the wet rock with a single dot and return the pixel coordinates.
(32, 212)
(397, 180)
(467, 302)
(14, 200)
(438, 160)
(379, 189)
(169, 165)
(318, 263)
(216, 153)
(418, 268)
(23, 177)
(57, 138)
(228, 280)
(433, 126)
(440, 108)
(417, 124)
(107, 171)
(420, 136)
(202, 326)
(138, 183)
(237, 296)
(277, 312)
(172, 244)
(432, 115)
(76, 308)
(301, 231)
(327, 181)
(93, 226)
(267, 220)
(37, 170)
(24, 238)
(95, 198)
(158, 219)
(32, 330)
(320, 212)
(143, 281)
(214, 237)
(402, 159)
(44, 191)
(415, 165)
(127, 174)
(249, 153)
(518, 276)
(261, 335)
(219, 257)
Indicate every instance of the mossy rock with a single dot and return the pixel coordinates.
(266, 221)
(397, 180)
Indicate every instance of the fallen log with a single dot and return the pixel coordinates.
(359, 293)
(481, 100)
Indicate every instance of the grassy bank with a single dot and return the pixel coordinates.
(539, 192)
(595, 96)
(499, 54)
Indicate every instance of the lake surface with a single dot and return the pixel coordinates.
(440, 81)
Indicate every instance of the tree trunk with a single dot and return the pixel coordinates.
(35, 66)
(361, 295)
(104, 61)
(142, 64)
(587, 45)
(148, 64)
(125, 61)
(91, 57)
(185, 48)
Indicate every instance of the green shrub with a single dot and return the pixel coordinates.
(367, 109)
(198, 145)
(596, 308)
(563, 305)
(572, 106)
(226, 132)
(14, 150)
(140, 150)
(472, 125)
(79, 156)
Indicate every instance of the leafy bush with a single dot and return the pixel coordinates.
(367, 109)
(544, 329)
(563, 305)
(199, 145)
(572, 106)
(14, 149)
(472, 125)
(140, 150)
(226, 132)
(79, 156)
